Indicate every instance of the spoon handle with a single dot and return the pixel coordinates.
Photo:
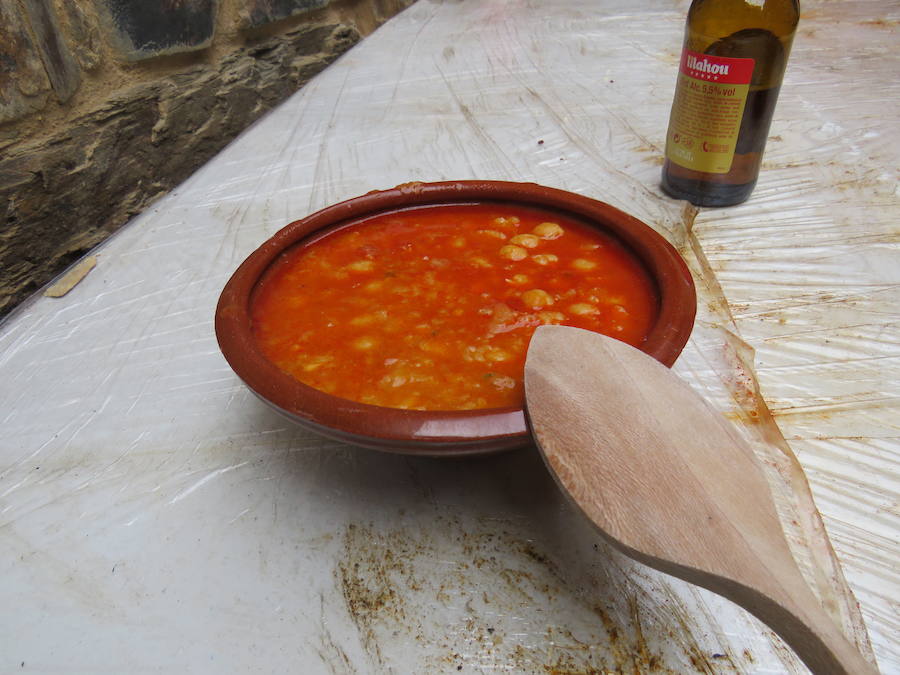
(785, 604)
(669, 481)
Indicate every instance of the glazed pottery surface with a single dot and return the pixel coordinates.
(438, 433)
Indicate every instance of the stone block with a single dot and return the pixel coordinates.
(63, 71)
(82, 31)
(143, 29)
(24, 86)
(255, 13)
(62, 195)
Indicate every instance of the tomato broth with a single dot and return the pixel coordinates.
(432, 308)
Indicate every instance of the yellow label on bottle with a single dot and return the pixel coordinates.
(706, 114)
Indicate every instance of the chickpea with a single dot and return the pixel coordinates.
(471, 404)
(361, 266)
(526, 240)
(393, 380)
(582, 309)
(316, 362)
(551, 317)
(496, 354)
(374, 286)
(519, 279)
(583, 265)
(537, 298)
(363, 343)
(511, 252)
(548, 231)
(492, 233)
(483, 353)
(502, 382)
(545, 258)
(471, 353)
(433, 347)
(478, 261)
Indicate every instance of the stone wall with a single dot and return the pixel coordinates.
(106, 105)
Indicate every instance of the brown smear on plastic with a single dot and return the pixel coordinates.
(386, 577)
(801, 520)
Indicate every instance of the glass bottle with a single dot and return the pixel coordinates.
(734, 57)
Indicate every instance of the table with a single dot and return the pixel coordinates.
(154, 516)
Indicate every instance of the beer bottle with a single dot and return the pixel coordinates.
(732, 64)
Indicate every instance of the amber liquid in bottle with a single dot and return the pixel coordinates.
(762, 30)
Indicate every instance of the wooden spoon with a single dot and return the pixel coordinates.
(669, 482)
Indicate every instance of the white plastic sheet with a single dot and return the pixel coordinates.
(155, 516)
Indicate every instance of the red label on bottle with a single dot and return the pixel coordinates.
(720, 69)
(707, 110)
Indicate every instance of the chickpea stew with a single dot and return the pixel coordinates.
(432, 308)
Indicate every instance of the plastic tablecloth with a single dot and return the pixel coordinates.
(156, 517)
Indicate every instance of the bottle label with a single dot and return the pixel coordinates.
(707, 111)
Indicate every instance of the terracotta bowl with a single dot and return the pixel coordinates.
(438, 433)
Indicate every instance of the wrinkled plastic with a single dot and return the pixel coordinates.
(155, 515)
